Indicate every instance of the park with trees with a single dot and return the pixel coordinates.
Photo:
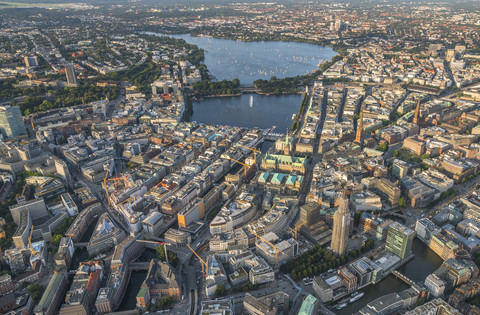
(319, 260)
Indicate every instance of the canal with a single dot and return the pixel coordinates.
(249, 61)
(81, 254)
(424, 263)
(248, 110)
(130, 298)
(136, 279)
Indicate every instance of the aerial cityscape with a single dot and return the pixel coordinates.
(213, 157)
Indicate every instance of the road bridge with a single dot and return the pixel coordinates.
(139, 266)
(419, 287)
(249, 88)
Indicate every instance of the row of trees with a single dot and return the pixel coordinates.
(292, 85)
(409, 157)
(319, 260)
(141, 75)
(224, 87)
(172, 257)
(301, 110)
(41, 98)
(220, 290)
(289, 85)
(61, 230)
(10, 226)
(245, 288)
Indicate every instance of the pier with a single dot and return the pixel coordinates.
(273, 136)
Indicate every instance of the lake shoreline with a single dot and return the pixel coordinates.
(300, 40)
(248, 61)
(200, 98)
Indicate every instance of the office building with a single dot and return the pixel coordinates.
(341, 227)
(435, 284)
(36, 208)
(83, 291)
(309, 213)
(6, 284)
(21, 235)
(11, 123)
(71, 77)
(53, 294)
(260, 272)
(217, 307)
(366, 271)
(434, 307)
(399, 240)
(400, 168)
(270, 304)
(62, 169)
(153, 224)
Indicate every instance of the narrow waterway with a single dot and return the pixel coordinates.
(136, 279)
(130, 298)
(424, 263)
(81, 254)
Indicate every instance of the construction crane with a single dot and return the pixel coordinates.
(116, 179)
(30, 241)
(160, 243)
(296, 228)
(255, 151)
(245, 166)
(269, 243)
(128, 199)
(202, 262)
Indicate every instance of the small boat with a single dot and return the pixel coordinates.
(356, 296)
(341, 306)
(294, 116)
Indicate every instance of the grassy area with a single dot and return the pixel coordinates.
(213, 213)
(407, 156)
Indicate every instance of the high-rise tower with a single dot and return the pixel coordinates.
(358, 137)
(11, 122)
(417, 113)
(341, 227)
(399, 240)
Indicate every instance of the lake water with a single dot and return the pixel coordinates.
(249, 61)
(266, 111)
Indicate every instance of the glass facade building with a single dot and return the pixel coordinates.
(11, 123)
(399, 240)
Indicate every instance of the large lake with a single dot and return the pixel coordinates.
(249, 61)
(248, 110)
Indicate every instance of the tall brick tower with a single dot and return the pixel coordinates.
(358, 137)
(417, 113)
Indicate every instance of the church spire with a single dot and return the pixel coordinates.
(358, 138)
(417, 112)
